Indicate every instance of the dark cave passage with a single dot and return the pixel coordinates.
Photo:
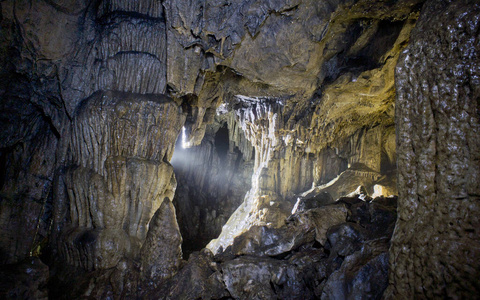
(222, 142)
(211, 184)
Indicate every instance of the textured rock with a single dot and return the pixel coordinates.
(306, 89)
(24, 280)
(323, 218)
(361, 276)
(287, 263)
(317, 200)
(301, 228)
(197, 279)
(345, 238)
(26, 164)
(152, 9)
(278, 65)
(253, 278)
(279, 173)
(161, 253)
(293, 143)
(118, 179)
(435, 248)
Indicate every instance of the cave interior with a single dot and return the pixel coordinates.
(281, 149)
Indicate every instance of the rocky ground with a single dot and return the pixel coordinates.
(333, 250)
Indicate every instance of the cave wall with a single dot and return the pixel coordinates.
(89, 133)
(335, 114)
(115, 177)
(201, 60)
(435, 247)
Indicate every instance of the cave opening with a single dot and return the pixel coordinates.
(222, 142)
(212, 180)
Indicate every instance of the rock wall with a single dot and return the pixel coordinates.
(87, 146)
(435, 247)
(29, 133)
(286, 166)
(115, 177)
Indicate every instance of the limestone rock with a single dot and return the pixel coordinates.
(265, 241)
(94, 94)
(361, 276)
(72, 283)
(153, 9)
(435, 246)
(197, 279)
(287, 263)
(280, 152)
(118, 177)
(26, 164)
(346, 238)
(254, 278)
(301, 228)
(24, 280)
(161, 252)
(322, 218)
(317, 200)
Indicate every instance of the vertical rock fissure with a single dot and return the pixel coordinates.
(213, 178)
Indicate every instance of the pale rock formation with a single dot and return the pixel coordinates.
(161, 253)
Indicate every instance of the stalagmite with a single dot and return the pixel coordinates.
(117, 176)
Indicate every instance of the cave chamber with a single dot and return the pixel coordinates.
(239, 149)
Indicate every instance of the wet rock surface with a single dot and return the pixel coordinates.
(24, 280)
(306, 259)
(116, 178)
(435, 248)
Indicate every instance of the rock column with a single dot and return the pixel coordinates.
(116, 178)
(435, 250)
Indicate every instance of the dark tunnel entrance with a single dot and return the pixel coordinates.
(222, 142)
(212, 180)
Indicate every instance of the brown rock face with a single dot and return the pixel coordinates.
(85, 82)
(117, 176)
(436, 245)
(161, 253)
